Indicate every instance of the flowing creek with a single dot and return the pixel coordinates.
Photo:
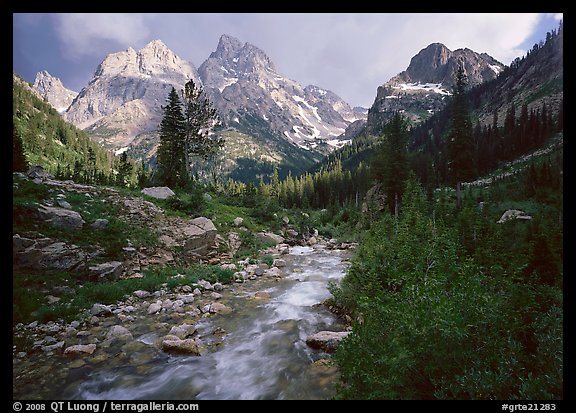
(258, 351)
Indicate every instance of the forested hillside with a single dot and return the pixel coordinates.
(42, 137)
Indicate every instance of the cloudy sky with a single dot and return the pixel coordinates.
(350, 54)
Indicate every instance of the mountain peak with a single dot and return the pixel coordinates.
(156, 44)
(52, 89)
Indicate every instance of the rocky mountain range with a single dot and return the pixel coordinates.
(52, 89)
(269, 119)
(121, 105)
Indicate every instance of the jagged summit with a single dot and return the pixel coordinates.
(52, 89)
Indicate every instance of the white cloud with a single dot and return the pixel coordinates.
(86, 34)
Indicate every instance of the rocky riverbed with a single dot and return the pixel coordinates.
(193, 340)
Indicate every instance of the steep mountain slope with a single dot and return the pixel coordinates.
(50, 141)
(421, 89)
(241, 78)
(52, 89)
(534, 81)
(125, 96)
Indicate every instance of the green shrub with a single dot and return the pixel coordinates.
(267, 259)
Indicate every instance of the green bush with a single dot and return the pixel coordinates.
(267, 259)
(434, 323)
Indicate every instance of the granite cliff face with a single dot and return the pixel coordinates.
(125, 96)
(52, 89)
(242, 81)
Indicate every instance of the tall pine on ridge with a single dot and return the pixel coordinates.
(172, 169)
(461, 162)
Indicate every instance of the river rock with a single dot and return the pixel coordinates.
(216, 296)
(61, 218)
(80, 349)
(238, 221)
(182, 331)
(270, 237)
(279, 263)
(187, 346)
(326, 340)
(262, 295)
(219, 308)
(64, 204)
(206, 285)
(312, 241)
(292, 233)
(154, 308)
(196, 292)
(274, 272)
(158, 192)
(57, 346)
(218, 286)
(285, 220)
(186, 298)
(119, 332)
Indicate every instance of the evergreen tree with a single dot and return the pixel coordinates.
(171, 160)
(391, 163)
(199, 120)
(124, 170)
(461, 162)
(19, 163)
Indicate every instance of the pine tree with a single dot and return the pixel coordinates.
(390, 165)
(171, 161)
(461, 162)
(19, 163)
(124, 170)
(199, 120)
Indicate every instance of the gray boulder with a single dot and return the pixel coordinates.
(326, 340)
(108, 270)
(270, 237)
(100, 310)
(37, 171)
(44, 253)
(61, 218)
(238, 221)
(187, 346)
(200, 236)
(100, 224)
(158, 192)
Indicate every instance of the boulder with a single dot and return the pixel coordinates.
(326, 340)
(238, 221)
(234, 242)
(182, 331)
(44, 253)
(158, 192)
(100, 224)
(262, 295)
(53, 347)
(285, 220)
(141, 293)
(270, 237)
(279, 263)
(312, 241)
(200, 235)
(80, 349)
(61, 218)
(118, 332)
(219, 308)
(187, 346)
(100, 310)
(154, 308)
(186, 298)
(513, 214)
(291, 233)
(37, 171)
(108, 270)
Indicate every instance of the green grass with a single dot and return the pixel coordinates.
(29, 302)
